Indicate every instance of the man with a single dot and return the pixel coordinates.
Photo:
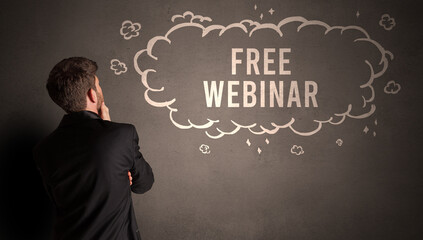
(90, 164)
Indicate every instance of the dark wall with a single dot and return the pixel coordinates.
(219, 176)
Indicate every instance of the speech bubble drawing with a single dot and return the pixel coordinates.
(250, 28)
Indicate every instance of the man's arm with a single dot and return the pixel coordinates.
(43, 179)
(46, 187)
(141, 172)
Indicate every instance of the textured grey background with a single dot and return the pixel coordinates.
(370, 188)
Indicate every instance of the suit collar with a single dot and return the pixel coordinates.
(77, 117)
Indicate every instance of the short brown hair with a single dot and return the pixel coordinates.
(69, 82)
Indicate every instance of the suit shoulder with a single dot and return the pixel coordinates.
(43, 141)
(119, 126)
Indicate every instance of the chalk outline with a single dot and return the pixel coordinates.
(121, 64)
(390, 19)
(396, 85)
(206, 150)
(295, 147)
(257, 26)
(135, 27)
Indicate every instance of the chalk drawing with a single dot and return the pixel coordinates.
(248, 142)
(297, 150)
(387, 22)
(259, 150)
(250, 27)
(192, 17)
(205, 149)
(255, 6)
(357, 14)
(271, 11)
(130, 29)
(261, 16)
(339, 142)
(267, 141)
(392, 87)
(118, 67)
(366, 130)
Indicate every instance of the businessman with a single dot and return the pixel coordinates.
(89, 164)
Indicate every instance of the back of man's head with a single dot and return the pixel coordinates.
(69, 82)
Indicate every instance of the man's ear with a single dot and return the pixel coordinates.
(92, 95)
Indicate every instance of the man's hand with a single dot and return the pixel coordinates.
(130, 178)
(104, 112)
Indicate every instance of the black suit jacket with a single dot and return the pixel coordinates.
(84, 164)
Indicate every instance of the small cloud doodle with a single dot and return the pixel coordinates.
(118, 67)
(387, 22)
(339, 142)
(297, 150)
(392, 87)
(205, 149)
(130, 29)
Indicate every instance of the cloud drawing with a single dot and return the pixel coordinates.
(118, 67)
(205, 149)
(392, 87)
(387, 22)
(297, 150)
(130, 29)
(372, 67)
